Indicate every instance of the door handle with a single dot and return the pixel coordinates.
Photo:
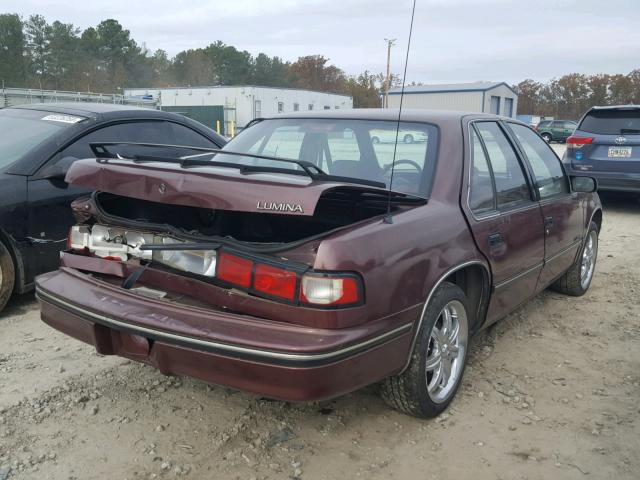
(495, 240)
(548, 223)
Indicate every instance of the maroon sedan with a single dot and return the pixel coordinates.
(302, 262)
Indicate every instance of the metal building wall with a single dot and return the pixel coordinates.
(503, 92)
(457, 101)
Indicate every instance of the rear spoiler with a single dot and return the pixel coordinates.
(102, 153)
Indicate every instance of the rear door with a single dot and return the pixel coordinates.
(49, 212)
(563, 215)
(613, 144)
(505, 217)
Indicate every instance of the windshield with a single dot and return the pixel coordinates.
(359, 149)
(612, 122)
(22, 130)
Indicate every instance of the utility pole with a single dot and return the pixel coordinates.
(390, 43)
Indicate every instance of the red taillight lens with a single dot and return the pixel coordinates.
(330, 290)
(275, 281)
(235, 270)
(577, 142)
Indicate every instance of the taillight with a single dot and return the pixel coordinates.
(292, 283)
(234, 270)
(275, 282)
(577, 142)
(78, 238)
(330, 290)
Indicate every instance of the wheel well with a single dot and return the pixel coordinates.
(597, 218)
(474, 282)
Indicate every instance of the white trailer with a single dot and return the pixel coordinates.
(243, 103)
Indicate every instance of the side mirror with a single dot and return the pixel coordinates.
(584, 184)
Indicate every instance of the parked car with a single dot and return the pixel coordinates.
(312, 276)
(556, 130)
(389, 136)
(606, 146)
(38, 143)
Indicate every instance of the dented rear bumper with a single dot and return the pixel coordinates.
(283, 361)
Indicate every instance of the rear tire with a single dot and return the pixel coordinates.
(7, 276)
(429, 383)
(375, 140)
(547, 137)
(577, 280)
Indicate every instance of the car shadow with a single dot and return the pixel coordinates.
(19, 305)
(620, 202)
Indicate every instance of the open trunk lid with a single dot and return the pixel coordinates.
(212, 187)
(263, 212)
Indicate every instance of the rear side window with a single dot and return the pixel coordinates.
(550, 178)
(481, 196)
(544, 124)
(612, 122)
(510, 181)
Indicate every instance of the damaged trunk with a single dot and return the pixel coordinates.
(335, 209)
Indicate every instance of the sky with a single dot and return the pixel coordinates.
(453, 40)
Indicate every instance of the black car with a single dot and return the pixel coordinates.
(38, 143)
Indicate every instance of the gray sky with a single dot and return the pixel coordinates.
(454, 40)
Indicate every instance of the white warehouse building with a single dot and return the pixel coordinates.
(231, 107)
(488, 97)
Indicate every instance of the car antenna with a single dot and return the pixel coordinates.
(388, 218)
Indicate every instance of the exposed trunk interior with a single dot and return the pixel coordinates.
(336, 208)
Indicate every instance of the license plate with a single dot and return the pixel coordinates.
(619, 152)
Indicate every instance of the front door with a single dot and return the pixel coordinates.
(505, 217)
(562, 213)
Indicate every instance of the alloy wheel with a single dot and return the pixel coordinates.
(588, 260)
(446, 351)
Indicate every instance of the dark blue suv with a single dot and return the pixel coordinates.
(606, 145)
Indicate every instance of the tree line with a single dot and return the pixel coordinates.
(59, 56)
(569, 96)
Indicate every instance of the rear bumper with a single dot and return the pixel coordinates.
(267, 358)
(613, 182)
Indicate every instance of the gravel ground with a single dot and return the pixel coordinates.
(550, 392)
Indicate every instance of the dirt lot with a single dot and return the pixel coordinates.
(550, 392)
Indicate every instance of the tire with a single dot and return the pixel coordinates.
(7, 276)
(375, 140)
(408, 138)
(576, 281)
(417, 391)
(547, 137)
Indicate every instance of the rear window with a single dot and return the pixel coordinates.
(612, 122)
(358, 149)
(23, 130)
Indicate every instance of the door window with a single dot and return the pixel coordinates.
(510, 181)
(482, 195)
(550, 178)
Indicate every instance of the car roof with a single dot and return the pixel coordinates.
(616, 107)
(88, 109)
(390, 114)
